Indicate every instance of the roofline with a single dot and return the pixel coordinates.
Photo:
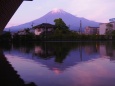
(92, 27)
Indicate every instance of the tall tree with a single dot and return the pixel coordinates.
(60, 24)
(109, 29)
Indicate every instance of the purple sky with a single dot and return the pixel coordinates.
(96, 10)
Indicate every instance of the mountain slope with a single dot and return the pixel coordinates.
(72, 21)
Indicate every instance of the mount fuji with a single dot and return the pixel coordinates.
(72, 21)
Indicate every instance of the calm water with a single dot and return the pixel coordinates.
(64, 64)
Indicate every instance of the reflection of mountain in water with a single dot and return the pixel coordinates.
(59, 51)
(56, 56)
(64, 55)
(59, 56)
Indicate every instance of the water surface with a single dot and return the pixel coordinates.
(64, 63)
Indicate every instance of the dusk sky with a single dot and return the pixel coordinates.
(96, 10)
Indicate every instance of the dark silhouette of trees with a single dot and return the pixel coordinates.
(109, 29)
(60, 24)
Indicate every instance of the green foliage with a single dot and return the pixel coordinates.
(109, 25)
(113, 32)
(62, 35)
(109, 29)
(59, 50)
(23, 38)
(27, 30)
(60, 24)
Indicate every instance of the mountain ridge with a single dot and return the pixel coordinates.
(72, 21)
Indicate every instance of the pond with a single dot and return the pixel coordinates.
(64, 63)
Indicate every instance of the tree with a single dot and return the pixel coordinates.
(27, 30)
(113, 32)
(60, 24)
(109, 29)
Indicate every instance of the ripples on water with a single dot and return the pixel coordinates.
(64, 63)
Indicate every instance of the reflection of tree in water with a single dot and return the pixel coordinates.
(57, 49)
(6, 46)
(110, 49)
(66, 53)
(24, 47)
(60, 50)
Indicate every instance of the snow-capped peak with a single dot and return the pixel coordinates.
(56, 10)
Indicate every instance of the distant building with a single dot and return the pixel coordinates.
(91, 30)
(24, 32)
(103, 28)
(31, 30)
(43, 27)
